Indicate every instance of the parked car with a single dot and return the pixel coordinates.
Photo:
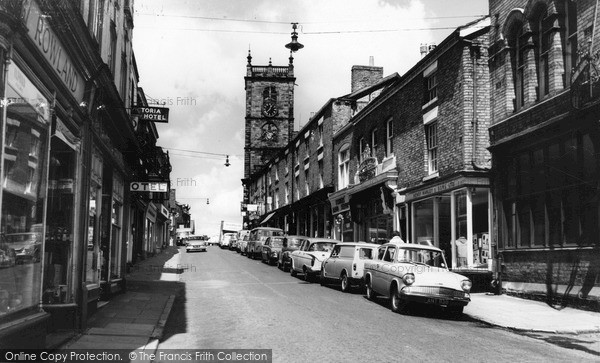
(257, 237)
(196, 245)
(271, 249)
(346, 263)
(290, 244)
(226, 239)
(27, 246)
(233, 241)
(243, 245)
(411, 273)
(241, 236)
(308, 257)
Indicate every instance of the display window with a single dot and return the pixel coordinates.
(92, 272)
(23, 194)
(58, 251)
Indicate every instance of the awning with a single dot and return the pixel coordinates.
(269, 216)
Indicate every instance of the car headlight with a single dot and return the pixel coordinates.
(408, 279)
(466, 285)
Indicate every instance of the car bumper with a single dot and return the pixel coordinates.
(195, 249)
(447, 298)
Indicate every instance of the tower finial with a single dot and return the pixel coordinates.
(249, 56)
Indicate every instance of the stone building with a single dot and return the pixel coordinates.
(545, 142)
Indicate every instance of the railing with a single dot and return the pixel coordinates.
(271, 70)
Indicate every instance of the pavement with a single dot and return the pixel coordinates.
(135, 320)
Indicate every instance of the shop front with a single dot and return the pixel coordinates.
(61, 249)
(365, 211)
(27, 124)
(455, 216)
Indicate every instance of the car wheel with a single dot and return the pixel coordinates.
(285, 269)
(345, 283)
(307, 276)
(370, 293)
(279, 265)
(293, 272)
(399, 305)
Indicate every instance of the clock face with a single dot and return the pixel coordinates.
(269, 108)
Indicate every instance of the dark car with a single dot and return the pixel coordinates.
(290, 244)
(257, 237)
(271, 249)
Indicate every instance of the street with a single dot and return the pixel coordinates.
(231, 302)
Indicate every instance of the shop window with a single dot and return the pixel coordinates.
(115, 245)
(22, 216)
(423, 220)
(481, 227)
(58, 277)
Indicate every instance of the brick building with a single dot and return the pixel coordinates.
(417, 156)
(545, 142)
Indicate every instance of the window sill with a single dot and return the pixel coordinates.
(431, 102)
(431, 176)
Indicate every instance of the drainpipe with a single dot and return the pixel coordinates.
(7, 55)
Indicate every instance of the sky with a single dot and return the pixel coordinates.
(191, 57)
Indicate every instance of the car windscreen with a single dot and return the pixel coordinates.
(294, 242)
(421, 256)
(322, 246)
(276, 242)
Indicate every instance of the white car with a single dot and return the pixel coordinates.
(411, 273)
(346, 265)
(227, 239)
(308, 258)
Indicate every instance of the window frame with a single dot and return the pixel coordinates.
(432, 146)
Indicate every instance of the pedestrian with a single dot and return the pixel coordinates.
(396, 237)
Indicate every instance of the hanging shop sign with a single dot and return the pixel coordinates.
(149, 187)
(53, 50)
(155, 114)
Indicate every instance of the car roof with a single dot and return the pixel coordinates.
(412, 245)
(359, 244)
(267, 229)
(322, 239)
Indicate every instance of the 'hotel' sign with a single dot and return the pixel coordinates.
(156, 114)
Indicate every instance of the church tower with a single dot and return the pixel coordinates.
(269, 112)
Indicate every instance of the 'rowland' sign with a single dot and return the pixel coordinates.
(46, 40)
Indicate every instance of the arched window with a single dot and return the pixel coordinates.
(517, 41)
(270, 93)
(542, 39)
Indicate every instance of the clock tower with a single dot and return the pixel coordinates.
(269, 112)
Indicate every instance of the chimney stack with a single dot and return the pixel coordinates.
(365, 76)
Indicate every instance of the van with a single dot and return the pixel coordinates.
(346, 264)
(257, 237)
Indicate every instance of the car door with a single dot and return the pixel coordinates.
(265, 249)
(329, 263)
(344, 261)
(389, 273)
(377, 270)
(296, 256)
